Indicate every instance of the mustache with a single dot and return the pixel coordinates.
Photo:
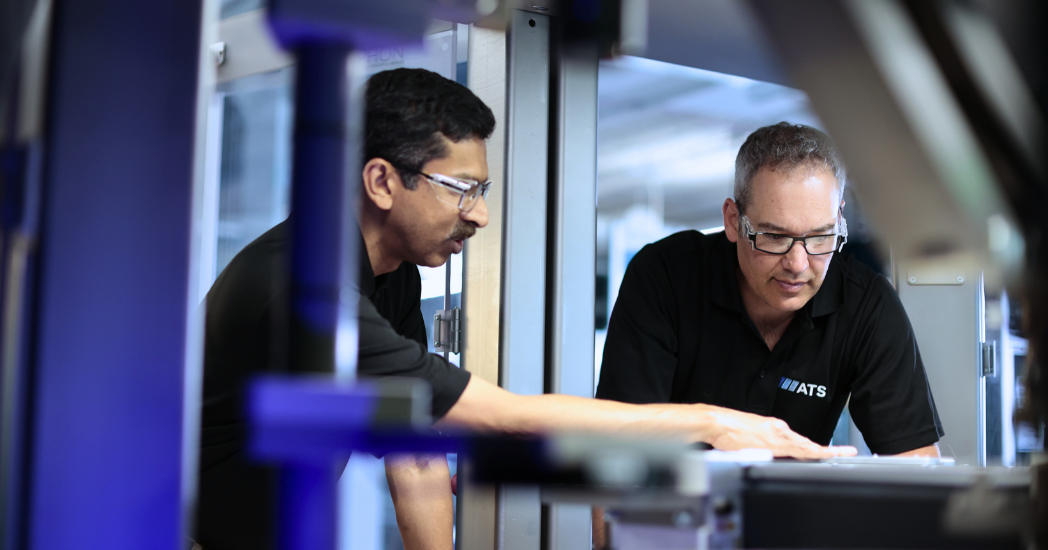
(462, 231)
(787, 278)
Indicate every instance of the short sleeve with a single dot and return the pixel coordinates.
(640, 352)
(891, 400)
(410, 323)
(383, 352)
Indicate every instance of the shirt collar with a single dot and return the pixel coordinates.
(831, 294)
(725, 263)
(369, 283)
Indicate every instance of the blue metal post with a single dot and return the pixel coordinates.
(317, 205)
(107, 315)
(309, 495)
(322, 33)
(308, 505)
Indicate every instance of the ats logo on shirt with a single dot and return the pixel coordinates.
(794, 386)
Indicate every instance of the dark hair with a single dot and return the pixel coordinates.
(409, 112)
(783, 147)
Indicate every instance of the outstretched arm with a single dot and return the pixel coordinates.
(486, 407)
(931, 451)
(421, 489)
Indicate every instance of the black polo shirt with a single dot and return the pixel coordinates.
(680, 334)
(245, 334)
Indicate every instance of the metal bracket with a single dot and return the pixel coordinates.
(447, 330)
(989, 358)
(934, 275)
(218, 53)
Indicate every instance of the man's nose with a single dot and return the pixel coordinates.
(478, 215)
(796, 258)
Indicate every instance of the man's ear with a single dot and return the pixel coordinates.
(380, 181)
(731, 220)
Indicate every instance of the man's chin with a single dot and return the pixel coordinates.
(791, 306)
(435, 260)
(788, 303)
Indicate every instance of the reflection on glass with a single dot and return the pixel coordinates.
(255, 165)
(230, 8)
(438, 54)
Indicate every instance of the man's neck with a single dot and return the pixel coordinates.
(771, 323)
(379, 252)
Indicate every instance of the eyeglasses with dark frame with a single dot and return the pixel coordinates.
(780, 244)
(469, 191)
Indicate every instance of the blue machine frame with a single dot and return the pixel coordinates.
(103, 329)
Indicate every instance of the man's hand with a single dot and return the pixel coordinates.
(734, 430)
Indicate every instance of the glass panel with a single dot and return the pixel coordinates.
(255, 165)
(230, 8)
(438, 54)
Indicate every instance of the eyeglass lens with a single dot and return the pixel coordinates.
(778, 244)
(473, 195)
(465, 200)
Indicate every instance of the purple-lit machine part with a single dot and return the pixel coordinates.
(309, 425)
(100, 248)
(321, 34)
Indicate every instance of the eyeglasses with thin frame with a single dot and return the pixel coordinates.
(780, 244)
(470, 192)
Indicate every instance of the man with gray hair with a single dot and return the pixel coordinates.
(761, 318)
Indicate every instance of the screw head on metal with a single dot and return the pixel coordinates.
(218, 52)
(960, 279)
(913, 280)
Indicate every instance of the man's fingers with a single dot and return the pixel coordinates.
(806, 448)
(835, 451)
(813, 451)
(845, 450)
(776, 435)
(797, 446)
(793, 445)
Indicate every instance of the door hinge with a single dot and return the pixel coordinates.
(989, 358)
(447, 330)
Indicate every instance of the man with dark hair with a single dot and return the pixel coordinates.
(423, 182)
(758, 318)
(419, 127)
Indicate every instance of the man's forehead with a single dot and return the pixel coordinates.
(800, 200)
(475, 172)
(466, 159)
(814, 187)
(793, 214)
(776, 228)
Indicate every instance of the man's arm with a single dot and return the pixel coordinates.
(931, 451)
(486, 407)
(421, 489)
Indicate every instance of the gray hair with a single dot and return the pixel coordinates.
(783, 147)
